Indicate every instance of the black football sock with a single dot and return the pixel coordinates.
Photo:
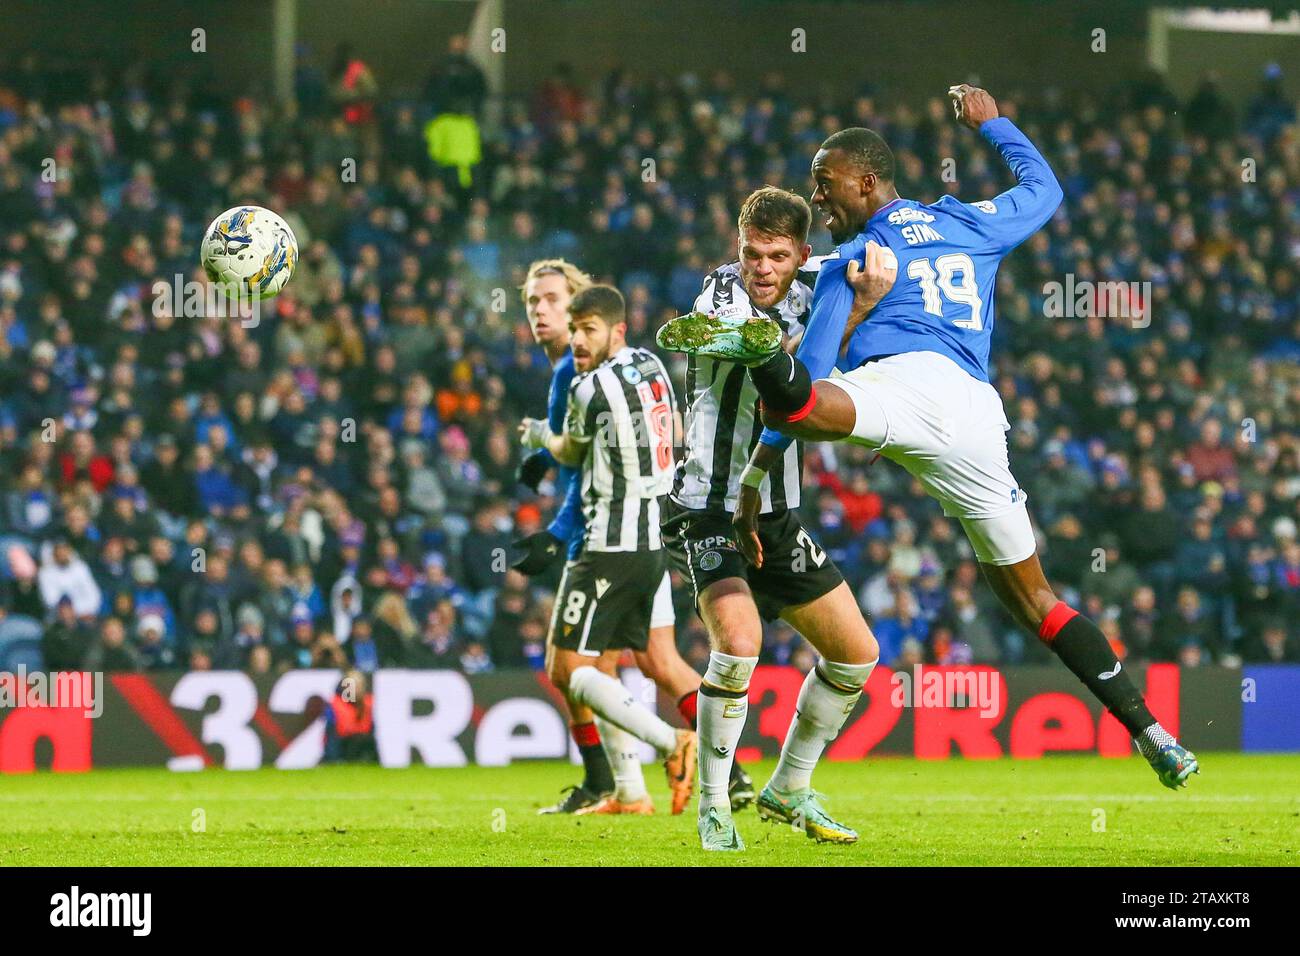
(1079, 643)
(598, 776)
(783, 383)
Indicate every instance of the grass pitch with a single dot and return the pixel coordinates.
(1064, 810)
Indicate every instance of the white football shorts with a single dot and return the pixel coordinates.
(661, 614)
(948, 429)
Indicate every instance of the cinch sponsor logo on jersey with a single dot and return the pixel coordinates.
(73, 909)
(917, 232)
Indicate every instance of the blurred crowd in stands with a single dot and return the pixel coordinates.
(335, 486)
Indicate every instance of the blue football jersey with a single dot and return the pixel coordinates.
(568, 524)
(557, 397)
(948, 257)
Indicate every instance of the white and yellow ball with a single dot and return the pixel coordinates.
(249, 251)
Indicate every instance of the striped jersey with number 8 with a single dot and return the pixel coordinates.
(626, 409)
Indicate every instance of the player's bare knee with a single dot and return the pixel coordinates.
(737, 644)
(866, 650)
(734, 637)
(835, 412)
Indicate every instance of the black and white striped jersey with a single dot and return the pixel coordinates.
(626, 409)
(722, 416)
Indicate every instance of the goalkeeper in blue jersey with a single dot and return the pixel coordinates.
(901, 321)
(612, 780)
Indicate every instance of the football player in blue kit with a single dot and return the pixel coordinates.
(895, 357)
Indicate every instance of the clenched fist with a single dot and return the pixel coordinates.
(972, 105)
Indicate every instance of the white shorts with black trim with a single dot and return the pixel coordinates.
(948, 429)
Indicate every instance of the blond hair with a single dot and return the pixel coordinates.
(575, 278)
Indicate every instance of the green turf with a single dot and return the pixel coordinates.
(1240, 810)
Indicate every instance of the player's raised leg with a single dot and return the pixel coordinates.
(796, 406)
(608, 697)
(1082, 647)
(955, 445)
(833, 624)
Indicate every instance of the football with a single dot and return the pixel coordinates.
(249, 251)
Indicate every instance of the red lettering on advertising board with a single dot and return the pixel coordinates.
(68, 729)
(939, 725)
(1052, 721)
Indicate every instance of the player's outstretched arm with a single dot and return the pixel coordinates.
(1010, 218)
(571, 442)
(567, 448)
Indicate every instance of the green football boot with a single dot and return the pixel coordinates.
(803, 811)
(746, 341)
(1173, 764)
(718, 832)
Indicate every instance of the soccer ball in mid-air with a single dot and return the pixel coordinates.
(249, 251)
